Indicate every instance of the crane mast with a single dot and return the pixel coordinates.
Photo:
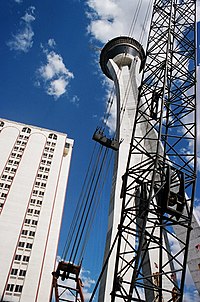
(159, 181)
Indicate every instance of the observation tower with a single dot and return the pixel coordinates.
(122, 59)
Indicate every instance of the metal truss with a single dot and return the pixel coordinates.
(159, 183)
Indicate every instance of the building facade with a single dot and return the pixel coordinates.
(34, 167)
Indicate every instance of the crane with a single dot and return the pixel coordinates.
(157, 186)
(151, 219)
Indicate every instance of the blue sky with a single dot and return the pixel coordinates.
(50, 75)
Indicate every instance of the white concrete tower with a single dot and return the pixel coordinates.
(34, 167)
(121, 60)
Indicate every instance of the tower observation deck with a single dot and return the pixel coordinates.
(122, 50)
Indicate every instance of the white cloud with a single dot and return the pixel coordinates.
(51, 43)
(111, 18)
(88, 282)
(18, 1)
(23, 40)
(54, 74)
(54, 67)
(75, 100)
(57, 87)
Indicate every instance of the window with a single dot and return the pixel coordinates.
(30, 210)
(37, 212)
(35, 191)
(39, 202)
(37, 183)
(22, 273)
(18, 257)
(41, 193)
(31, 233)
(21, 244)
(1, 124)
(7, 186)
(34, 222)
(26, 258)
(53, 136)
(18, 288)
(3, 194)
(29, 245)
(46, 169)
(26, 129)
(32, 200)
(14, 271)
(28, 221)
(10, 287)
(24, 232)
(39, 175)
(10, 177)
(43, 185)
(1, 185)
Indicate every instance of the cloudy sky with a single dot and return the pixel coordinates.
(50, 75)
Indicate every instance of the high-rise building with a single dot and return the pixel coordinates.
(34, 167)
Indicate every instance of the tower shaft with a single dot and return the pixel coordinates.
(121, 60)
